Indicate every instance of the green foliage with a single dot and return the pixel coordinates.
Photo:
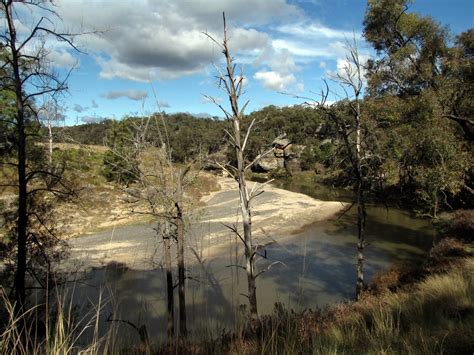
(409, 46)
(421, 96)
(7, 113)
(120, 161)
(7, 109)
(90, 133)
(309, 157)
(300, 124)
(191, 137)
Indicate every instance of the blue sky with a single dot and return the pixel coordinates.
(283, 45)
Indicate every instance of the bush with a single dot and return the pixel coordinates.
(119, 169)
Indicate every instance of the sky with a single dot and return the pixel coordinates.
(147, 55)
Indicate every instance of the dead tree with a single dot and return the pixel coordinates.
(26, 75)
(352, 134)
(179, 221)
(166, 234)
(49, 114)
(158, 190)
(232, 84)
(354, 137)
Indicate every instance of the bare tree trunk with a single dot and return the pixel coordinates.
(21, 168)
(233, 85)
(181, 276)
(352, 78)
(247, 226)
(181, 267)
(22, 214)
(243, 193)
(50, 146)
(169, 286)
(361, 213)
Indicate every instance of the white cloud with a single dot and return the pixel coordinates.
(301, 49)
(317, 31)
(62, 59)
(275, 81)
(163, 104)
(346, 68)
(150, 40)
(135, 95)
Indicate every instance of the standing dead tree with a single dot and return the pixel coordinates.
(157, 190)
(27, 77)
(232, 83)
(351, 132)
(49, 114)
(346, 115)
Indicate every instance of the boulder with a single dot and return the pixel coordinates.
(281, 142)
(268, 164)
(210, 166)
(279, 153)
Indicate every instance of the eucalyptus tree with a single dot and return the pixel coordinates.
(418, 65)
(27, 77)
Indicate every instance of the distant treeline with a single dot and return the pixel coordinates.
(414, 156)
(87, 133)
(190, 135)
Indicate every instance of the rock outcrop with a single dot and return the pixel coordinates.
(285, 155)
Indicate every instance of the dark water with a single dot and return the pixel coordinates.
(309, 269)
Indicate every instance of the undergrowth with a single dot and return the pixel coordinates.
(414, 309)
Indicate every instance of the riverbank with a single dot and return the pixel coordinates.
(275, 213)
(423, 308)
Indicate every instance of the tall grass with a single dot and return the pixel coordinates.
(435, 317)
(53, 328)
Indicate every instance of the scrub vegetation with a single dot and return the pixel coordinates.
(402, 136)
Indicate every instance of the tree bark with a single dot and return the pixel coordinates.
(169, 286)
(247, 226)
(361, 215)
(361, 212)
(22, 222)
(181, 267)
(233, 85)
(50, 145)
(249, 252)
(243, 193)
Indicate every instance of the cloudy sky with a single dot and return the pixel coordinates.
(145, 54)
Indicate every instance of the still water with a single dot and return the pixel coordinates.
(309, 268)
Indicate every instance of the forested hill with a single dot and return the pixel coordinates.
(411, 149)
(87, 133)
(300, 123)
(415, 124)
(190, 135)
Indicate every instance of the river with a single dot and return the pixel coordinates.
(310, 268)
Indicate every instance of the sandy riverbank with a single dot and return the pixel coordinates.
(276, 213)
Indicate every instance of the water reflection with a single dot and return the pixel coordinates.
(317, 266)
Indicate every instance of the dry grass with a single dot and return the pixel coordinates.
(431, 316)
(52, 328)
